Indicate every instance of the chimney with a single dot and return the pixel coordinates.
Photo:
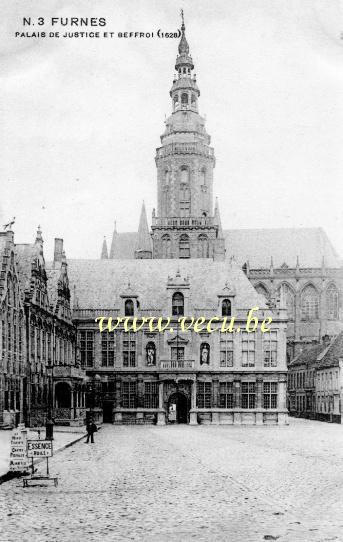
(58, 250)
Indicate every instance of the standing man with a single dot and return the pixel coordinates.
(91, 429)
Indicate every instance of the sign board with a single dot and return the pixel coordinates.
(39, 448)
(18, 457)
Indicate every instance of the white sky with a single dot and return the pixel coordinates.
(82, 118)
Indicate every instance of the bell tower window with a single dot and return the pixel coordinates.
(184, 247)
(184, 99)
(166, 244)
(203, 246)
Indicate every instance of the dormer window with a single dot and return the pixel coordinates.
(226, 307)
(129, 308)
(178, 304)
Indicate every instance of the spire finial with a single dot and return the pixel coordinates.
(183, 45)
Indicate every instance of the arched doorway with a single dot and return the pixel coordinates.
(178, 408)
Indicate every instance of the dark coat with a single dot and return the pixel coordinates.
(91, 428)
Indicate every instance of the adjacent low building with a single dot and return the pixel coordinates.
(315, 381)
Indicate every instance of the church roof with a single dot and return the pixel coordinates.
(284, 245)
(100, 283)
(259, 245)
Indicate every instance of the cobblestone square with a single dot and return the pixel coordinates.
(187, 483)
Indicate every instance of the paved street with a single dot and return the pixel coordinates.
(187, 483)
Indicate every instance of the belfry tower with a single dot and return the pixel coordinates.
(186, 225)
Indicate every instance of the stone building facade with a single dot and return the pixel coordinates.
(13, 387)
(315, 381)
(178, 376)
(38, 373)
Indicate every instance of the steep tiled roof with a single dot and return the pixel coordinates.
(308, 355)
(124, 245)
(284, 245)
(258, 246)
(99, 283)
(333, 354)
(25, 254)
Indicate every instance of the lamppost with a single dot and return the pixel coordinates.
(92, 389)
(49, 424)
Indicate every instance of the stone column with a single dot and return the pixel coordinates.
(193, 417)
(140, 399)
(117, 415)
(259, 400)
(282, 408)
(161, 415)
(237, 416)
(215, 387)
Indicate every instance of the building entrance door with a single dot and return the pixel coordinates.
(178, 408)
(108, 411)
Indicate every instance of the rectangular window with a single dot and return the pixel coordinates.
(129, 394)
(177, 353)
(204, 395)
(129, 349)
(226, 394)
(248, 349)
(248, 395)
(87, 348)
(270, 349)
(108, 348)
(270, 394)
(226, 350)
(151, 395)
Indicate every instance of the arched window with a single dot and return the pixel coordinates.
(178, 304)
(184, 192)
(332, 302)
(309, 303)
(184, 247)
(150, 354)
(226, 307)
(289, 298)
(129, 308)
(261, 289)
(203, 246)
(193, 99)
(176, 102)
(203, 176)
(204, 354)
(166, 176)
(184, 175)
(166, 246)
(184, 98)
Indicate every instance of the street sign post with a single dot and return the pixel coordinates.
(40, 449)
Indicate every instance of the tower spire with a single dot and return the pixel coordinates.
(217, 219)
(143, 249)
(104, 251)
(114, 241)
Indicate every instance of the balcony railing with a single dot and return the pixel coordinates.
(186, 222)
(177, 364)
(185, 148)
